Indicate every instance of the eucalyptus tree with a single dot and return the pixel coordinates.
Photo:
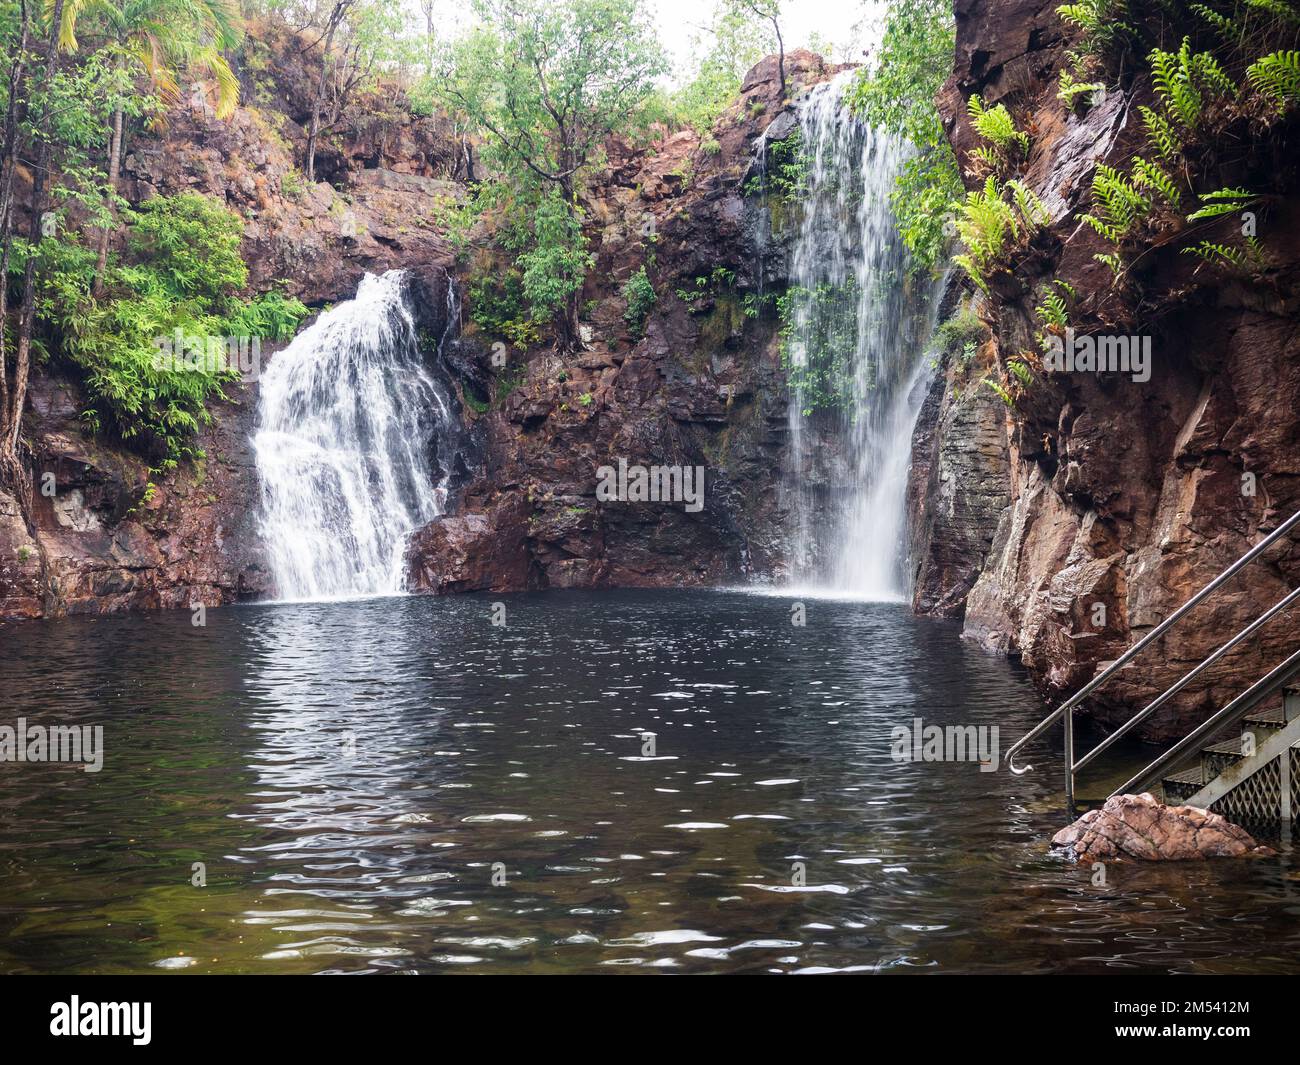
(547, 82)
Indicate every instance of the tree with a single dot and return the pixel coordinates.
(726, 51)
(338, 12)
(767, 11)
(896, 92)
(11, 469)
(548, 82)
(155, 38)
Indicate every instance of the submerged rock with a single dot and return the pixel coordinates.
(1137, 826)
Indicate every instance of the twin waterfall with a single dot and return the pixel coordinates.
(346, 420)
(855, 354)
(350, 418)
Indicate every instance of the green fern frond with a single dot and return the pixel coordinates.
(1220, 202)
(1150, 176)
(1162, 135)
(996, 125)
(1278, 77)
(1217, 254)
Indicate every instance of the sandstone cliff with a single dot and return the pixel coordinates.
(1118, 493)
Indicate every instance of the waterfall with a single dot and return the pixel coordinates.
(855, 357)
(346, 424)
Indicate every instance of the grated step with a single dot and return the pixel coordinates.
(1271, 718)
(1218, 756)
(1180, 786)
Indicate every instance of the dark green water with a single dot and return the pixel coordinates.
(351, 774)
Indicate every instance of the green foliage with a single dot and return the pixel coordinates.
(1070, 91)
(556, 259)
(499, 307)
(823, 322)
(990, 226)
(1213, 253)
(1184, 79)
(639, 295)
(1220, 202)
(1117, 203)
(1102, 22)
(192, 243)
(1163, 137)
(995, 125)
(724, 52)
(960, 336)
(1150, 176)
(1277, 76)
(547, 82)
(180, 279)
(896, 93)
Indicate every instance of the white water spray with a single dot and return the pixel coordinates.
(346, 417)
(858, 332)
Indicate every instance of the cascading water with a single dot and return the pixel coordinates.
(855, 357)
(347, 417)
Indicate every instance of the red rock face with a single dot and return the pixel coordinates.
(1123, 495)
(701, 387)
(107, 543)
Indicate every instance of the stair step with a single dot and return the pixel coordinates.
(1218, 756)
(1271, 718)
(1180, 786)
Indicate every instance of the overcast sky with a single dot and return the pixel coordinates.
(679, 21)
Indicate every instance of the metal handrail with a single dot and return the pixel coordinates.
(1187, 678)
(1239, 706)
(1066, 709)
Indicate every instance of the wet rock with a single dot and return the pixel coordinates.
(1137, 826)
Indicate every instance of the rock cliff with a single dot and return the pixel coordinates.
(1096, 490)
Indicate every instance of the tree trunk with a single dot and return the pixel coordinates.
(114, 166)
(780, 56)
(8, 166)
(13, 416)
(313, 130)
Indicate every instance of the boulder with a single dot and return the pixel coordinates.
(1137, 826)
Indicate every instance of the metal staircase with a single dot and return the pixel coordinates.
(1251, 778)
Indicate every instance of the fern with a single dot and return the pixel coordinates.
(1150, 176)
(1115, 263)
(1277, 9)
(1220, 202)
(1278, 77)
(1032, 210)
(1229, 30)
(1166, 141)
(996, 125)
(1003, 394)
(1217, 253)
(1118, 204)
(1069, 90)
(1100, 21)
(1053, 311)
(1183, 78)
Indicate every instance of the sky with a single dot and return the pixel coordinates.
(679, 21)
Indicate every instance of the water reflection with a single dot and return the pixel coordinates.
(398, 785)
